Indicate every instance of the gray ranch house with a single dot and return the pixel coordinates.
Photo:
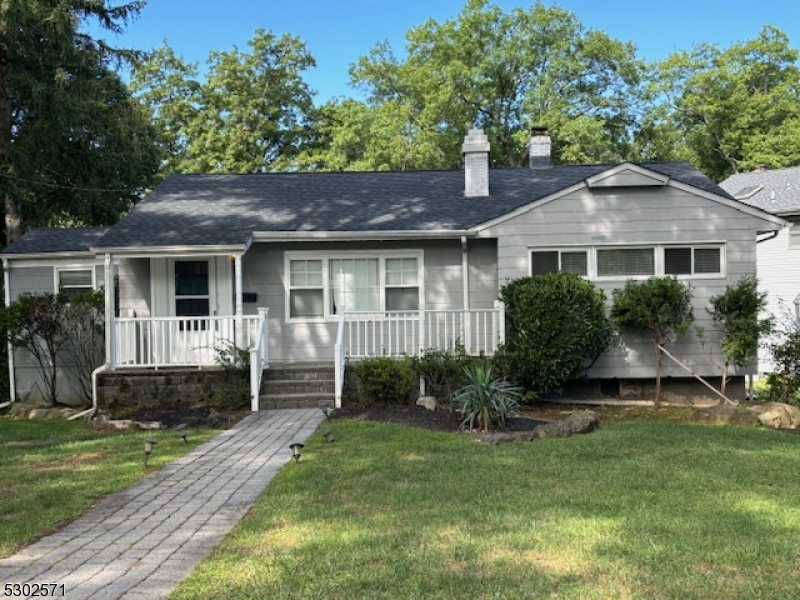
(323, 267)
(776, 191)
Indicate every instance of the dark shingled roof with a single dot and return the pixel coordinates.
(45, 241)
(225, 209)
(779, 191)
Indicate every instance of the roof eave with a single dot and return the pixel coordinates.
(322, 236)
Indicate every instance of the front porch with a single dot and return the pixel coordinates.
(169, 343)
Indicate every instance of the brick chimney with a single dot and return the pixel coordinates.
(539, 148)
(476, 164)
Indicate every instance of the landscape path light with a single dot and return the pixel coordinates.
(295, 448)
(148, 449)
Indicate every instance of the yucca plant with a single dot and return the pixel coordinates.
(485, 402)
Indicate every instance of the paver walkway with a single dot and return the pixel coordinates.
(142, 542)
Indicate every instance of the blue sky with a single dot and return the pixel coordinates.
(338, 32)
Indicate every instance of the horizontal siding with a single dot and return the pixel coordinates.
(779, 277)
(263, 273)
(35, 280)
(643, 216)
(134, 287)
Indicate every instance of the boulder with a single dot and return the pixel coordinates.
(579, 422)
(777, 415)
(428, 402)
(27, 411)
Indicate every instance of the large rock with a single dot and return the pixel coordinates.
(728, 414)
(26, 411)
(777, 415)
(579, 422)
(428, 402)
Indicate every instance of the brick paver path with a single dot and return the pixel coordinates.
(142, 542)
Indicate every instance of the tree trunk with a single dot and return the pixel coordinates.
(724, 378)
(11, 225)
(659, 358)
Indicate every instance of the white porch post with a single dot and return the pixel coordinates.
(237, 275)
(110, 308)
(501, 321)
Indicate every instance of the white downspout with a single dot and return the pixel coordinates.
(109, 308)
(465, 292)
(12, 386)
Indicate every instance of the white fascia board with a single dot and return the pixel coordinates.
(657, 178)
(776, 222)
(48, 255)
(171, 251)
(338, 236)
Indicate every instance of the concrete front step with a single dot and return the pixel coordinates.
(299, 372)
(278, 401)
(297, 386)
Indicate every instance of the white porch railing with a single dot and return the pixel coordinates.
(176, 341)
(259, 357)
(477, 331)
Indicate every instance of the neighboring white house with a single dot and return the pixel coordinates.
(776, 191)
(319, 266)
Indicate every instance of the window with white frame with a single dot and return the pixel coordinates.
(192, 297)
(75, 281)
(552, 261)
(691, 260)
(319, 287)
(614, 262)
(306, 289)
(628, 262)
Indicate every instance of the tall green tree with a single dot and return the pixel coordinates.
(74, 147)
(504, 72)
(251, 113)
(734, 109)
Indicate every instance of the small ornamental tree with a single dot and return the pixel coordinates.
(737, 311)
(558, 328)
(660, 308)
(35, 322)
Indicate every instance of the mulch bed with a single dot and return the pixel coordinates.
(418, 416)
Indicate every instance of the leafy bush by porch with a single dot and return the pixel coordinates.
(558, 328)
(382, 380)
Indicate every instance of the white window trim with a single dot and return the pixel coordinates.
(560, 249)
(57, 276)
(326, 257)
(591, 259)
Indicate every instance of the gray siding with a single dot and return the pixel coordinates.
(263, 273)
(638, 216)
(134, 287)
(40, 280)
(483, 288)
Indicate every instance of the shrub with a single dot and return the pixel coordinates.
(783, 384)
(660, 308)
(232, 391)
(84, 327)
(384, 380)
(443, 371)
(35, 322)
(737, 310)
(486, 402)
(558, 328)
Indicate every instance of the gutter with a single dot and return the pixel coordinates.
(770, 236)
(317, 236)
(797, 307)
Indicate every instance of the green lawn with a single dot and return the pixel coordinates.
(52, 471)
(643, 510)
